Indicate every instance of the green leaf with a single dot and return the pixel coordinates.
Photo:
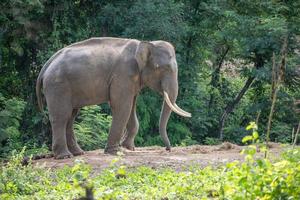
(122, 170)
(252, 125)
(247, 138)
(255, 135)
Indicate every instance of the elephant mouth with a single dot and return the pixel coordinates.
(174, 107)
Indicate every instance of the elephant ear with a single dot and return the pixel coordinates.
(143, 53)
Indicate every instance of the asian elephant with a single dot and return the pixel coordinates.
(111, 70)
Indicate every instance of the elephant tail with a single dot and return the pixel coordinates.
(39, 82)
(39, 92)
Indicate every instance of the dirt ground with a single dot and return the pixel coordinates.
(158, 157)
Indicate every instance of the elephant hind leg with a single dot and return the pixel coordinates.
(60, 111)
(72, 144)
(59, 142)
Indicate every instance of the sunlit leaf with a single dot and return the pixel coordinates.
(247, 138)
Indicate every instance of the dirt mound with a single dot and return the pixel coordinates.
(157, 157)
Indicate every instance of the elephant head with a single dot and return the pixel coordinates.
(158, 67)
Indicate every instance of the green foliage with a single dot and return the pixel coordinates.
(253, 140)
(11, 111)
(37, 182)
(251, 179)
(254, 137)
(92, 128)
(211, 141)
(164, 20)
(11, 138)
(281, 132)
(201, 31)
(292, 155)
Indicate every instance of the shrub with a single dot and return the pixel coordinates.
(38, 182)
(91, 128)
(254, 178)
(281, 132)
(11, 137)
(11, 111)
(212, 141)
(251, 179)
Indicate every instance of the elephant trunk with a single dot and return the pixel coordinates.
(164, 118)
(170, 92)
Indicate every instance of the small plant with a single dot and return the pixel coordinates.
(254, 136)
(188, 141)
(92, 128)
(253, 140)
(212, 141)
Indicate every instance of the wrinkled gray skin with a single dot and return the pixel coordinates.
(101, 70)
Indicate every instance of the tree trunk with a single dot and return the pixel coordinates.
(259, 63)
(229, 108)
(277, 77)
(215, 77)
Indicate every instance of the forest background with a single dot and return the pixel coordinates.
(225, 52)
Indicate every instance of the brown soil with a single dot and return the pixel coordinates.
(157, 157)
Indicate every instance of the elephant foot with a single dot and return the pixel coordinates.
(128, 146)
(168, 149)
(63, 155)
(112, 150)
(76, 151)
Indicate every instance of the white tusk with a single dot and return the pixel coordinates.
(183, 111)
(173, 108)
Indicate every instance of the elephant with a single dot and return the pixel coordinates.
(112, 70)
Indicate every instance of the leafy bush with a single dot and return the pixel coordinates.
(234, 133)
(28, 182)
(179, 134)
(11, 137)
(187, 141)
(254, 178)
(251, 179)
(11, 111)
(211, 141)
(92, 128)
(281, 132)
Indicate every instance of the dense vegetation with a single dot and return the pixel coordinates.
(227, 52)
(252, 179)
(224, 51)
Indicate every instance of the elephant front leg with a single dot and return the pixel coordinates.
(131, 129)
(121, 113)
